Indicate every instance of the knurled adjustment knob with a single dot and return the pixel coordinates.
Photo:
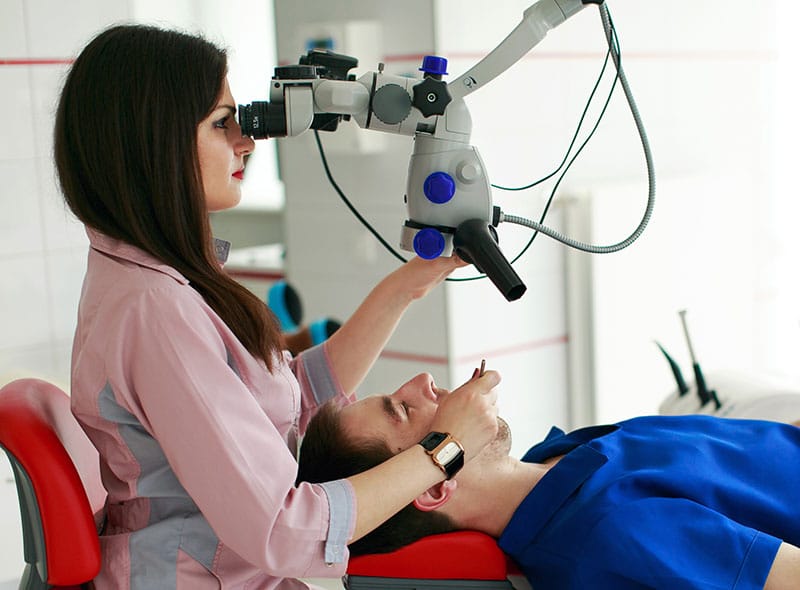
(391, 104)
(431, 97)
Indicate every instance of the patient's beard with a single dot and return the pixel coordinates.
(500, 446)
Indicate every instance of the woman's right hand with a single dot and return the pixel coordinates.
(469, 413)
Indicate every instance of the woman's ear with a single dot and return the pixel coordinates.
(436, 496)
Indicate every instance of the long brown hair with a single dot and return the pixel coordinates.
(327, 454)
(126, 155)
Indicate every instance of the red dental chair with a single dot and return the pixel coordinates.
(58, 484)
(450, 561)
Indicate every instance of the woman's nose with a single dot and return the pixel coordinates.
(245, 145)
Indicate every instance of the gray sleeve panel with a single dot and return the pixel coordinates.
(342, 512)
(318, 372)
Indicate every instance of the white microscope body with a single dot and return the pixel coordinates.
(448, 193)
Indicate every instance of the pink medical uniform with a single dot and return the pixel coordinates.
(197, 439)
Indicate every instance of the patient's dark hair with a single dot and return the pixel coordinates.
(327, 454)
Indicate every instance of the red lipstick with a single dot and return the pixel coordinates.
(239, 174)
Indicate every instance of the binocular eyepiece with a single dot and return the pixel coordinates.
(261, 119)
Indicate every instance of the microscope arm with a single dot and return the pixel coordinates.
(537, 20)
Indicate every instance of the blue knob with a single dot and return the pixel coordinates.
(439, 187)
(434, 65)
(429, 243)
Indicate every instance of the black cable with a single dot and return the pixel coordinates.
(574, 137)
(583, 145)
(350, 206)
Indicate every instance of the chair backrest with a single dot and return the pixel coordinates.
(55, 467)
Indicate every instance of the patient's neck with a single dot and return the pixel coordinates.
(486, 502)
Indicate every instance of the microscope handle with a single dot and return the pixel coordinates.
(474, 243)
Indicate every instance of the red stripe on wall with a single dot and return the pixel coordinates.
(35, 62)
(495, 353)
(417, 57)
(660, 55)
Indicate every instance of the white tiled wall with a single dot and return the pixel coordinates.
(42, 250)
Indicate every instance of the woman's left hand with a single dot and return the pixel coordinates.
(418, 276)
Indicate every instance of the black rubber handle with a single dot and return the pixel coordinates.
(474, 242)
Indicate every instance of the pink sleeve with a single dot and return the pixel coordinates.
(223, 447)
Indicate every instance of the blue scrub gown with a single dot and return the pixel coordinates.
(672, 502)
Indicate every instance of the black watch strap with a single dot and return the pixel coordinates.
(445, 451)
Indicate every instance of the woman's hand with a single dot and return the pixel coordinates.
(469, 413)
(418, 276)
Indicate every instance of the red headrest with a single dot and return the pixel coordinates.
(462, 555)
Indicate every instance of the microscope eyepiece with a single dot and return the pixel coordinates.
(261, 119)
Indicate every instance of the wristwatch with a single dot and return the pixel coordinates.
(445, 451)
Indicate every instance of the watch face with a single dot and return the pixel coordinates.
(448, 452)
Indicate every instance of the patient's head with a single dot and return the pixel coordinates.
(343, 441)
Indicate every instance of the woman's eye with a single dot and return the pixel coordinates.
(222, 123)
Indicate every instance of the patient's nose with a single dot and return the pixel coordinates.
(418, 390)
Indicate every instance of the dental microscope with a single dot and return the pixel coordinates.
(448, 193)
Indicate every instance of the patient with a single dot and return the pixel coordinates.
(666, 502)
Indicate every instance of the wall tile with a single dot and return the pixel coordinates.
(23, 302)
(28, 361)
(16, 138)
(61, 229)
(48, 37)
(65, 271)
(20, 222)
(61, 354)
(46, 83)
(12, 30)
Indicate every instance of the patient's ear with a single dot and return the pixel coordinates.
(436, 496)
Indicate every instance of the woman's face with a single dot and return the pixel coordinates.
(221, 149)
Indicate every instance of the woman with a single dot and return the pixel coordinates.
(177, 376)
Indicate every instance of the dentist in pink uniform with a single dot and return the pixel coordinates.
(177, 373)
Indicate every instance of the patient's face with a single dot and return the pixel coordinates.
(401, 419)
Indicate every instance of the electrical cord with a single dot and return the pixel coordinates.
(610, 32)
(612, 47)
(349, 205)
(574, 136)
